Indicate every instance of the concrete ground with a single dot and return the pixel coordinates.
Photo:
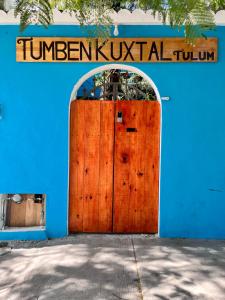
(99, 267)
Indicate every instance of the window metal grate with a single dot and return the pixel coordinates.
(116, 85)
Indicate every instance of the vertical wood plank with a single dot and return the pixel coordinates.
(134, 139)
(106, 165)
(121, 170)
(77, 142)
(16, 214)
(31, 211)
(91, 166)
(121, 183)
(139, 168)
(152, 161)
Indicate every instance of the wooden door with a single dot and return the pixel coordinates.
(136, 167)
(114, 166)
(91, 166)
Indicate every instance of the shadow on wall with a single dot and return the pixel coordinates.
(114, 267)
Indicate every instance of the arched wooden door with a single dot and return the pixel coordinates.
(114, 166)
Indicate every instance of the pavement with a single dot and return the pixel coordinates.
(124, 267)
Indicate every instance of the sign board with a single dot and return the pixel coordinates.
(62, 49)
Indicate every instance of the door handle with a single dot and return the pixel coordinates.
(119, 117)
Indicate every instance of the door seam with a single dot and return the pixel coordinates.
(114, 147)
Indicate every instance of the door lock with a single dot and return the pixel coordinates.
(131, 129)
(119, 117)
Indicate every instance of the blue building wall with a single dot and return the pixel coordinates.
(34, 133)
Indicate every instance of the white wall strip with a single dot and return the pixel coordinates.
(123, 17)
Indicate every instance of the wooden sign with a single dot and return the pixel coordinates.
(61, 49)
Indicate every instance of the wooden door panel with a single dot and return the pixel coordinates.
(136, 170)
(114, 173)
(91, 171)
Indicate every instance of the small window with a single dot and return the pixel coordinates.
(22, 211)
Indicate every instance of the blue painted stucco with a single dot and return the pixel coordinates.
(34, 133)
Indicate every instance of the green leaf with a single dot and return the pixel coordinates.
(196, 17)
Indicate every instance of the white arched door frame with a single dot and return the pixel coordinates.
(74, 95)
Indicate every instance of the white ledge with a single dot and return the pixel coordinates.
(220, 18)
(8, 18)
(123, 17)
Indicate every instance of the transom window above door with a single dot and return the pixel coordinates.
(116, 84)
